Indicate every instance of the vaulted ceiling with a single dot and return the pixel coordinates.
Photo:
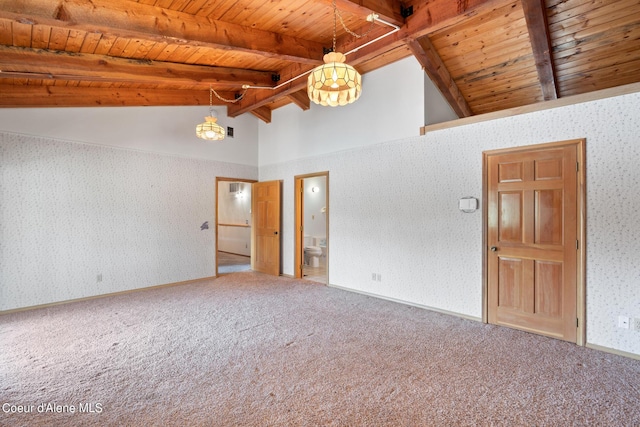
(483, 55)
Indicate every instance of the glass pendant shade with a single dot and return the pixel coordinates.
(210, 130)
(334, 83)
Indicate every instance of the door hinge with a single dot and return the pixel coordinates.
(577, 166)
(577, 244)
(577, 322)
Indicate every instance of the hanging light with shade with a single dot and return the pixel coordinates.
(334, 83)
(209, 130)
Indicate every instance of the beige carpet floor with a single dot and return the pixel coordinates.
(251, 350)
(232, 263)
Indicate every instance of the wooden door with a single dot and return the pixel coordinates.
(532, 238)
(265, 243)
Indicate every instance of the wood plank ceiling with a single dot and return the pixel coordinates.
(483, 55)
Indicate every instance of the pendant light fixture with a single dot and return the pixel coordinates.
(209, 130)
(334, 83)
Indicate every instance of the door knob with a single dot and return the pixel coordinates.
(275, 232)
(493, 248)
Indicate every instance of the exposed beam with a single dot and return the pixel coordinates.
(47, 64)
(258, 98)
(427, 17)
(301, 99)
(263, 113)
(428, 57)
(535, 14)
(139, 21)
(389, 10)
(72, 96)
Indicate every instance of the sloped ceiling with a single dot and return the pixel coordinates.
(483, 55)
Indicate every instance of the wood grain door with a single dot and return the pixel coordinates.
(532, 238)
(265, 243)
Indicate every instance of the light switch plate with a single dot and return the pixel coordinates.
(623, 322)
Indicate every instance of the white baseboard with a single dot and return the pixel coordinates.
(52, 304)
(613, 351)
(399, 301)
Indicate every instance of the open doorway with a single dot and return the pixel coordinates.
(312, 227)
(233, 225)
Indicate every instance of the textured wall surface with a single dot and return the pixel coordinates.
(394, 211)
(70, 212)
(167, 130)
(390, 108)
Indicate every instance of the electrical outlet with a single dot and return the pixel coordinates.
(373, 276)
(379, 277)
(623, 322)
(635, 325)
(99, 278)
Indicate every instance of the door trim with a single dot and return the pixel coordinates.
(218, 181)
(298, 246)
(581, 196)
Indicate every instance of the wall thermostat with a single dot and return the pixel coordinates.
(468, 204)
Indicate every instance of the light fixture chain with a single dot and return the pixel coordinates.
(231, 101)
(337, 12)
(210, 100)
(335, 24)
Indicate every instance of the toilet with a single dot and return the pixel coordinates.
(323, 246)
(312, 253)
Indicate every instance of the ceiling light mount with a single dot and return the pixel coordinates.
(372, 17)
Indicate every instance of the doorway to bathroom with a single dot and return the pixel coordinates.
(312, 227)
(233, 225)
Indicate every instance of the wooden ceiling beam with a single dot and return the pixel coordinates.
(435, 15)
(14, 96)
(301, 99)
(389, 10)
(139, 21)
(47, 64)
(432, 64)
(294, 79)
(427, 17)
(263, 113)
(535, 14)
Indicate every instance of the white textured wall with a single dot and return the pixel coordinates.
(70, 211)
(168, 130)
(391, 107)
(394, 210)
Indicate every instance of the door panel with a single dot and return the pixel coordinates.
(510, 218)
(548, 217)
(532, 234)
(548, 296)
(510, 284)
(266, 206)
